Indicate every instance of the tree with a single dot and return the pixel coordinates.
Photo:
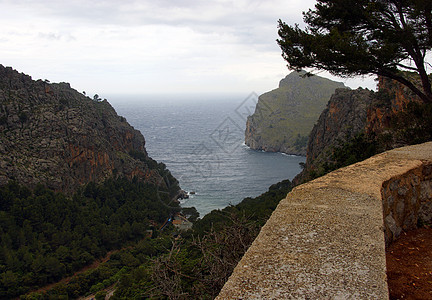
(359, 37)
(100, 295)
(96, 98)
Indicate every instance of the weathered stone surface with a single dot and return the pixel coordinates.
(326, 239)
(51, 134)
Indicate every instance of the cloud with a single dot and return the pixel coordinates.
(56, 36)
(149, 46)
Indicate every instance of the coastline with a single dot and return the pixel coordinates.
(279, 152)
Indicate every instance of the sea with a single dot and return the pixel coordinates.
(201, 141)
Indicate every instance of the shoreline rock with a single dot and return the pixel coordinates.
(284, 117)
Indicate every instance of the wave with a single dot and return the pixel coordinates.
(290, 155)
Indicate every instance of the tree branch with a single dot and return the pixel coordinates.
(406, 67)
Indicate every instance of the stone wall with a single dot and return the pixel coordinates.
(407, 201)
(326, 239)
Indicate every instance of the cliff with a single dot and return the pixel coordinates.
(343, 118)
(284, 117)
(357, 124)
(54, 135)
(392, 99)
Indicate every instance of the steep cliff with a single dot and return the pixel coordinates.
(284, 117)
(344, 117)
(54, 135)
(386, 114)
(360, 123)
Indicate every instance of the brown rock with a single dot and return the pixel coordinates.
(54, 135)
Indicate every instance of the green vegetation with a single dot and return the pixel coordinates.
(197, 266)
(411, 126)
(193, 265)
(168, 182)
(301, 142)
(358, 37)
(46, 236)
(285, 116)
(257, 209)
(343, 154)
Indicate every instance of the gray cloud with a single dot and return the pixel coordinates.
(187, 45)
(201, 15)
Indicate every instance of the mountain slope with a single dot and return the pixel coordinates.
(284, 117)
(75, 183)
(54, 135)
(357, 124)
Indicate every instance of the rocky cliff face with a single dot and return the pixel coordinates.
(383, 119)
(284, 117)
(344, 117)
(53, 135)
(391, 99)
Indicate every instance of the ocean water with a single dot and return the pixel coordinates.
(201, 140)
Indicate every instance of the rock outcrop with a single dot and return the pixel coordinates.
(374, 115)
(344, 117)
(54, 135)
(392, 97)
(284, 117)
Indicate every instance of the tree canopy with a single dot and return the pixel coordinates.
(45, 236)
(359, 37)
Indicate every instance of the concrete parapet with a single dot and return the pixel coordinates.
(326, 239)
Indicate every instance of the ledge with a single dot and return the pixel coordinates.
(327, 238)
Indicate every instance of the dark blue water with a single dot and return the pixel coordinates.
(202, 143)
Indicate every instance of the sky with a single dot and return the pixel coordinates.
(151, 47)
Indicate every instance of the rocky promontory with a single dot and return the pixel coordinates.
(357, 124)
(53, 135)
(284, 117)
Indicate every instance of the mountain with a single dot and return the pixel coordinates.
(357, 124)
(75, 183)
(284, 117)
(53, 135)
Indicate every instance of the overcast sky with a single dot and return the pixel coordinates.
(150, 47)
